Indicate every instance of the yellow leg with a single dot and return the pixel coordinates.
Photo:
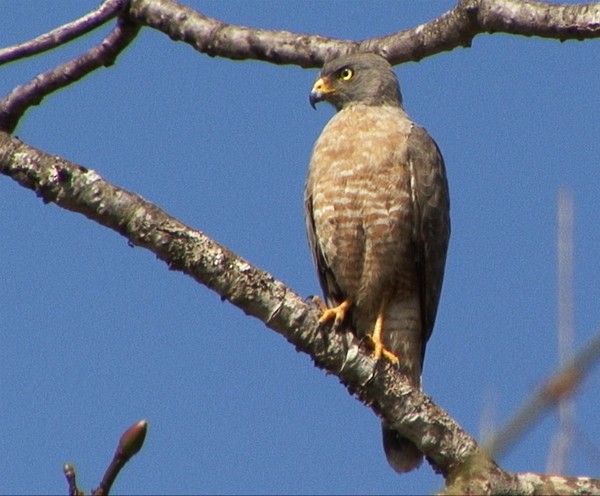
(338, 313)
(377, 339)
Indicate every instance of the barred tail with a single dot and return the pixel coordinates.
(402, 454)
(402, 335)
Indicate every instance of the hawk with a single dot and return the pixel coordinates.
(377, 215)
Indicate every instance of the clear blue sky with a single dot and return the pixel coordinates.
(95, 335)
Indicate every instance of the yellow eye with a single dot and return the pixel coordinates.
(346, 74)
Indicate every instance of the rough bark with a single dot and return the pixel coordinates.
(455, 28)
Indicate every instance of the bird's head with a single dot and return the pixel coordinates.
(357, 78)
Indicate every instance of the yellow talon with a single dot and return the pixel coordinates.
(377, 341)
(337, 313)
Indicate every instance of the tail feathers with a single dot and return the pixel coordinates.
(401, 453)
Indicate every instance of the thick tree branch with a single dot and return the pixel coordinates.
(545, 19)
(63, 34)
(455, 28)
(450, 450)
(257, 293)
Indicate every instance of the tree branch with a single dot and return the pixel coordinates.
(252, 290)
(16, 103)
(545, 19)
(455, 28)
(560, 385)
(130, 443)
(63, 34)
(450, 450)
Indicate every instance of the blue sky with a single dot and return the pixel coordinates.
(95, 335)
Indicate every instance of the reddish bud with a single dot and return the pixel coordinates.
(132, 439)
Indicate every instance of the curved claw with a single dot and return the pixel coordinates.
(336, 313)
(377, 341)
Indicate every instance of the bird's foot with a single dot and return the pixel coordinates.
(375, 340)
(379, 351)
(336, 313)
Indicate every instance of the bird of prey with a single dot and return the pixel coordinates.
(377, 215)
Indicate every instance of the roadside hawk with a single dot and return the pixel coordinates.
(377, 214)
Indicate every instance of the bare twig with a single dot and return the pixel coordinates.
(129, 445)
(560, 385)
(71, 476)
(16, 103)
(63, 34)
(563, 439)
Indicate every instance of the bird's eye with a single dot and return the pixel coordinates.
(346, 74)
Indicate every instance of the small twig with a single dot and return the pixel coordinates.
(130, 443)
(63, 34)
(16, 103)
(562, 440)
(69, 471)
(559, 386)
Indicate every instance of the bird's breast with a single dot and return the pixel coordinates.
(360, 185)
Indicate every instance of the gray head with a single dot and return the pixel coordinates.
(357, 78)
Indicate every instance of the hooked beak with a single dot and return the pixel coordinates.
(320, 90)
